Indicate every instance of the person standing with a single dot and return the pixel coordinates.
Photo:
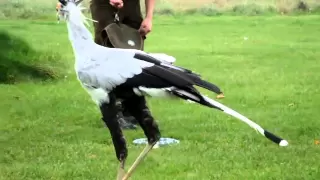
(128, 13)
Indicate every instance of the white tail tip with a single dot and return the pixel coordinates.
(283, 143)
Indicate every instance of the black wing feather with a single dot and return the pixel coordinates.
(176, 75)
(150, 59)
(157, 77)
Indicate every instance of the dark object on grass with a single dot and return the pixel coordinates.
(17, 61)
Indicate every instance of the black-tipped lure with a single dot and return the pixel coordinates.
(252, 124)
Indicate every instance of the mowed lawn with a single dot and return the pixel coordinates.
(268, 68)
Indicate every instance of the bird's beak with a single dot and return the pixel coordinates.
(63, 2)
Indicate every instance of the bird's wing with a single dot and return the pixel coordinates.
(109, 68)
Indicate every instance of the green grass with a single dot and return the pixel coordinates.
(52, 129)
(35, 9)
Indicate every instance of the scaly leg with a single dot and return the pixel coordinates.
(139, 159)
(109, 116)
(121, 171)
(138, 108)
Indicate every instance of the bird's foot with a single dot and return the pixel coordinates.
(139, 159)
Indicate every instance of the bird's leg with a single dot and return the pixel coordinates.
(109, 116)
(138, 108)
(139, 159)
(121, 171)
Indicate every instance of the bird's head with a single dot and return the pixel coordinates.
(71, 11)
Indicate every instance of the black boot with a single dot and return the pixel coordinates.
(128, 117)
(126, 121)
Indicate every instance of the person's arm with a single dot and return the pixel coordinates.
(149, 8)
(146, 24)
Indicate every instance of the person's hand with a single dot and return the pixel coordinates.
(116, 3)
(146, 26)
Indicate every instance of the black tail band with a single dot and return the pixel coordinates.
(272, 137)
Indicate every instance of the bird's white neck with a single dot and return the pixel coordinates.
(80, 37)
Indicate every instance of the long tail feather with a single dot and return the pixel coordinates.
(190, 93)
(244, 119)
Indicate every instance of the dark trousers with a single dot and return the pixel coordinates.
(101, 11)
(130, 14)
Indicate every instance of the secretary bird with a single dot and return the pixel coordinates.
(108, 74)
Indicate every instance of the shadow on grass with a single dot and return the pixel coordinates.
(19, 62)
